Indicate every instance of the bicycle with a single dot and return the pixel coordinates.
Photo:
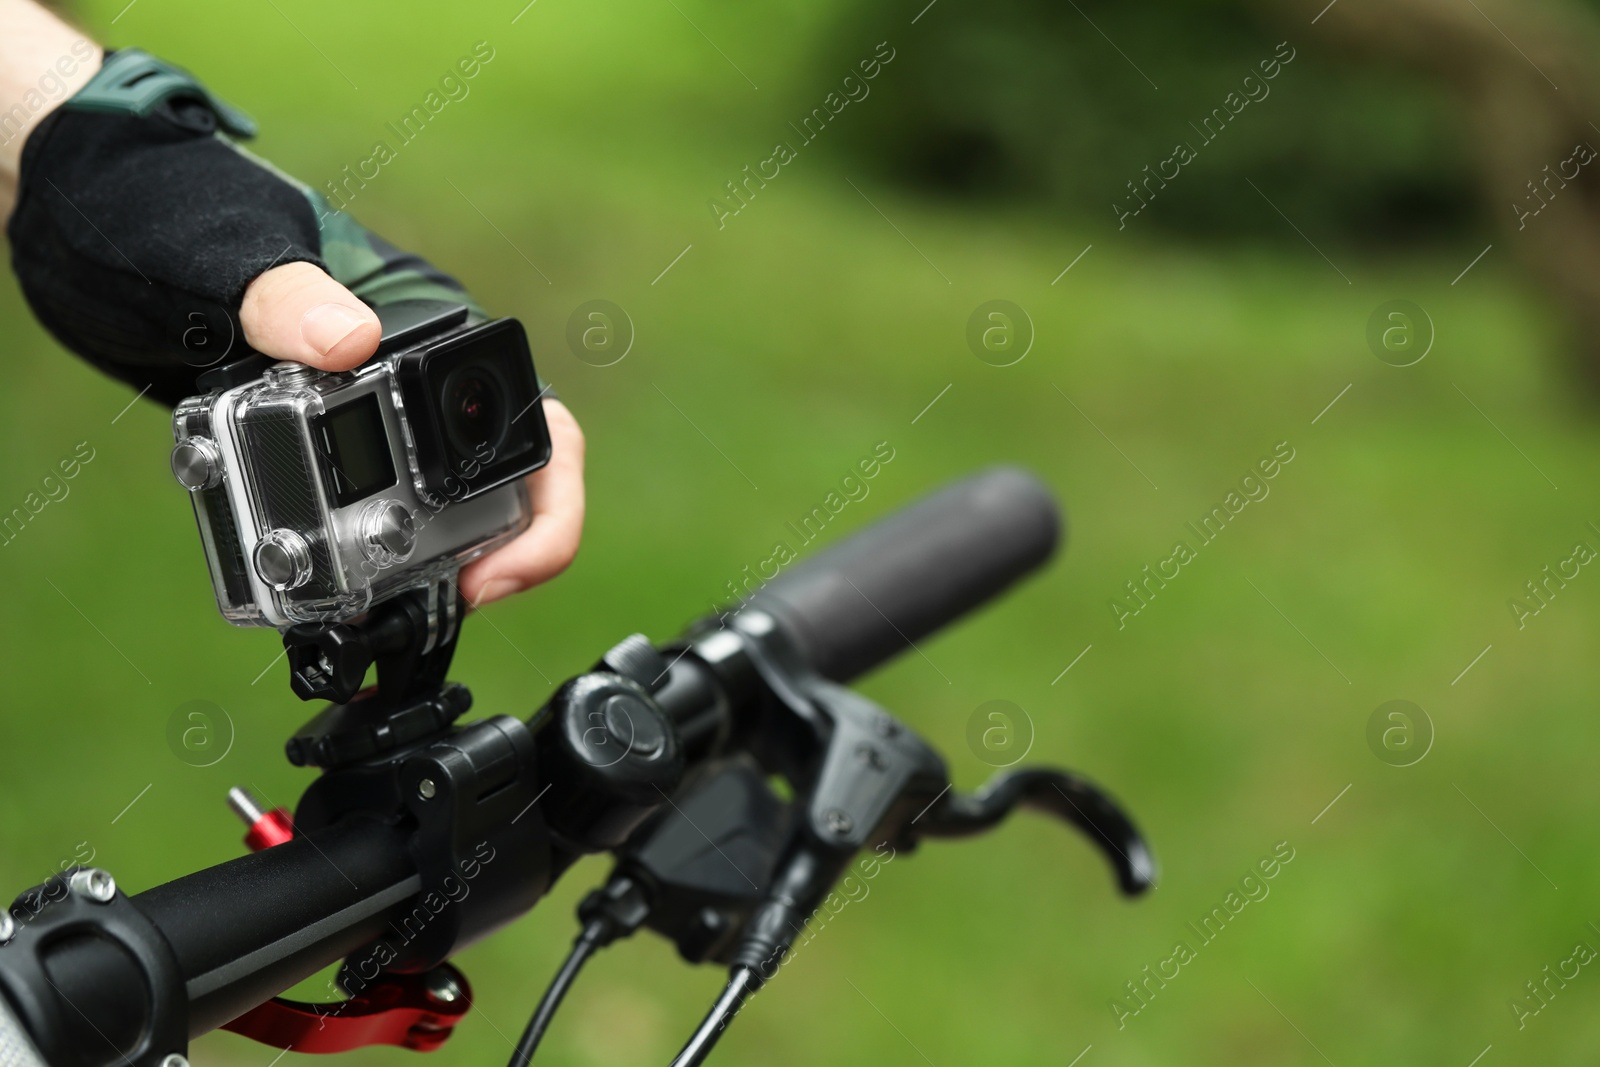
(422, 835)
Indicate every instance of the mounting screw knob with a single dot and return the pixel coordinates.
(426, 789)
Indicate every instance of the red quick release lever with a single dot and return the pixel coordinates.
(267, 828)
(414, 1011)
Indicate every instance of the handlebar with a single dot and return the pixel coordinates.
(875, 594)
(244, 931)
(720, 709)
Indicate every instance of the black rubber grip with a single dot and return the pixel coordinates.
(869, 597)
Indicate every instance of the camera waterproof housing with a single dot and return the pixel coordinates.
(321, 494)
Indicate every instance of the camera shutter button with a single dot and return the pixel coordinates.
(197, 463)
(388, 532)
(283, 560)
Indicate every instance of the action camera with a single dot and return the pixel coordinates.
(321, 494)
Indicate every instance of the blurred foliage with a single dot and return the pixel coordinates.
(806, 331)
(1032, 100)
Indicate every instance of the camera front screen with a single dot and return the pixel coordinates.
(356, 445)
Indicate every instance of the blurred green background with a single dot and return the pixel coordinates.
(822, 320)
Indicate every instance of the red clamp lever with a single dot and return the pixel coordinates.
(267, 828)
(415, 1011)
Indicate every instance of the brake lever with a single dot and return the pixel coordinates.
(1066, 796)
(860, 777)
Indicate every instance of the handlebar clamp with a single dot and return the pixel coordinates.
(71, 966)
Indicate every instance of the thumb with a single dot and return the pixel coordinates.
(297, 312)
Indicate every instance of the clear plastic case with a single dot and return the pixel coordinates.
(311, 498)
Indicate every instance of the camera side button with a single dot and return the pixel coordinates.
(197, 463)
(388, 532)
(283, 560)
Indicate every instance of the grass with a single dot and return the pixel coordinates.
(1228, 714)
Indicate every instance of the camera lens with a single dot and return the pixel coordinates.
(474, 410)
(472, 400)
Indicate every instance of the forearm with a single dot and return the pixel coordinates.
(42, 62)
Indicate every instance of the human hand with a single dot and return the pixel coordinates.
(297, 312)
(138, 231)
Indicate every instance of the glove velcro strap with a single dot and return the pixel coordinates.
(133, 82)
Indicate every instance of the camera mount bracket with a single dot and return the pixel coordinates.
(410, 639)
